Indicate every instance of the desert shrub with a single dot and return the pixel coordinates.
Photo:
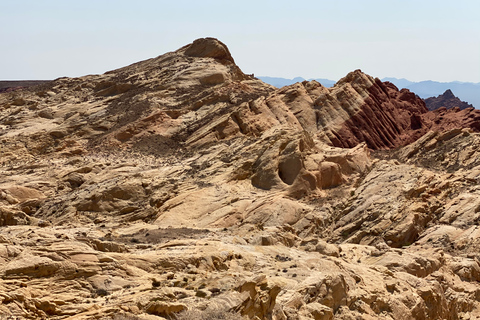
(208, 314)
(101, 293)
(125, 316)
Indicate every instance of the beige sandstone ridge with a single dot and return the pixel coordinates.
(181, 188)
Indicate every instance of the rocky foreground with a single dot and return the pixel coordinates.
(181, 188)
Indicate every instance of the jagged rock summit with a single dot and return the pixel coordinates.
(447, 100)
(180, 187)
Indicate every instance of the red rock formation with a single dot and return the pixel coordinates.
(357, 109)
(444, 119)
(360, 109)
(447, 100)
(388, 118)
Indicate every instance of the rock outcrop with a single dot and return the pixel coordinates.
(180, 187)
(447, 100)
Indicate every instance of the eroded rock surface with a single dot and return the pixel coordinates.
(181, 184)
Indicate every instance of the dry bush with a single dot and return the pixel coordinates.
(126, 317)
(208, 314)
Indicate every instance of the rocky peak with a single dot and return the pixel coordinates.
(208, 48)
(448, 94)
(447, 100)
(356, 77)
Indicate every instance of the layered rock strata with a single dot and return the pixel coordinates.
(179, 187)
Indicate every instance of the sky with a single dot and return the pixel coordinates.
(417, 40)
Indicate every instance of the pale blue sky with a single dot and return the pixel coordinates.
(418, 40)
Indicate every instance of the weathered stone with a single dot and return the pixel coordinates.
(180, 182)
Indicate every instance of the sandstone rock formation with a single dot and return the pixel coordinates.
(447, 100)
(180, 186)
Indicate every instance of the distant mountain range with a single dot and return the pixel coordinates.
(466, 91)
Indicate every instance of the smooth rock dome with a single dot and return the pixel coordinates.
(209, 48)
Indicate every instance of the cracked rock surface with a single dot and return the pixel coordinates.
(180, 187)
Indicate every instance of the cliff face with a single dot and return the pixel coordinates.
(180, 183)
(446, 100)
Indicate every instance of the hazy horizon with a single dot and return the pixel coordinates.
(382, 78)
(418, 41)
(268, 76)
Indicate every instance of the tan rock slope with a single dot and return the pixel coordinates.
(180, 187)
